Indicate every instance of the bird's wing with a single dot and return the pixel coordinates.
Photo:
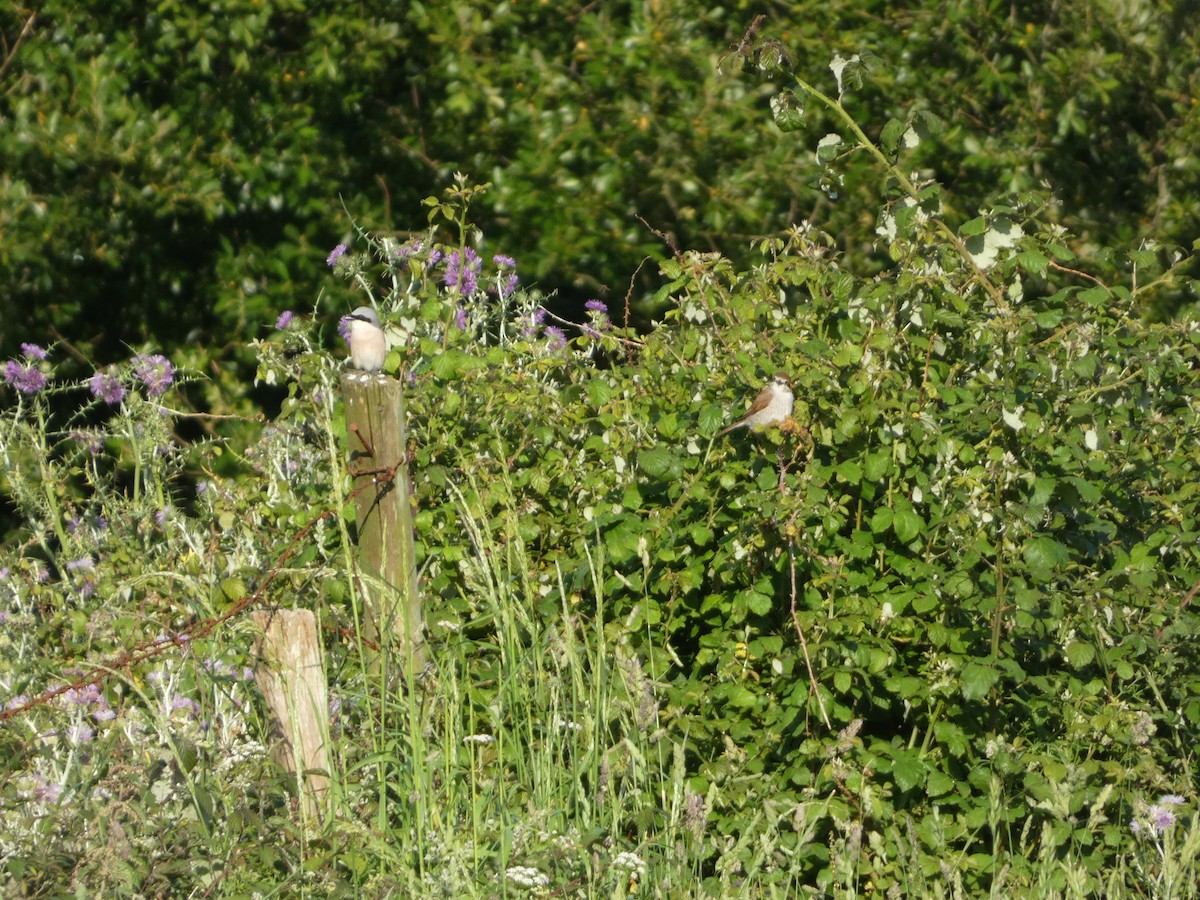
(760, 402)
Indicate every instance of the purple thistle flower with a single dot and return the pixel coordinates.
(532, 322)
(410, 249)
(107, 714)
(285, 319)
(33, 351)
(1163, 818)
(185, 703)
(335, 254)
(106, 387)
(48, 791)
(83, 564)
(460, 318)
(504, 262)
(160, 517)
(89, 693)
(155, 372)
(462, 271)
(508, 286)
(555, 339)
(80, 733)
(598, 312)
(26, 379)
(434, 258)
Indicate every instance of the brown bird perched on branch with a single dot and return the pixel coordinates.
(771, 407)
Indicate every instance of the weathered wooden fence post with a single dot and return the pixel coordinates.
(292, 679)
(387, 558)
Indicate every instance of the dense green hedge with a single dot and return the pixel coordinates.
(937, 630)
(176, 175)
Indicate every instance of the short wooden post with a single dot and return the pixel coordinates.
(290, 675)
(378, 461)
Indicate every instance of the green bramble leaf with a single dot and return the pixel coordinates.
(1043, 554)
(977, 680)
(849, 471)
(889, 137)
(660, 462)
(599, 391)
(1080, 655)
(828, 148)
(788, 111)
(773, 57)
(909, 769)
(712, 418)
(881, 520)
(907, 523)
(973, 227)
(1033, 262)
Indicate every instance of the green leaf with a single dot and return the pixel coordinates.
(670, 427)
(599, 391)
(1043, 553)
(906, 523)
(1033, 262)
(889, 138)
(660, 462)
(881, 520)
(712, 417)
(848, 355)
(977, 680)
(849, 472)
(758, 603)
(908, 769)
(939, 784)
(1080, 654)
(740, 697)
(974, 227)
(453, 363)
(828, 148)
(788, 110)
(906, 686)
(877, 465)
(923, 603)
(1088, 492)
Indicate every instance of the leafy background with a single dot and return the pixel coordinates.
(934, 637)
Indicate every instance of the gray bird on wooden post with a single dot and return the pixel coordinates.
(368, 347)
